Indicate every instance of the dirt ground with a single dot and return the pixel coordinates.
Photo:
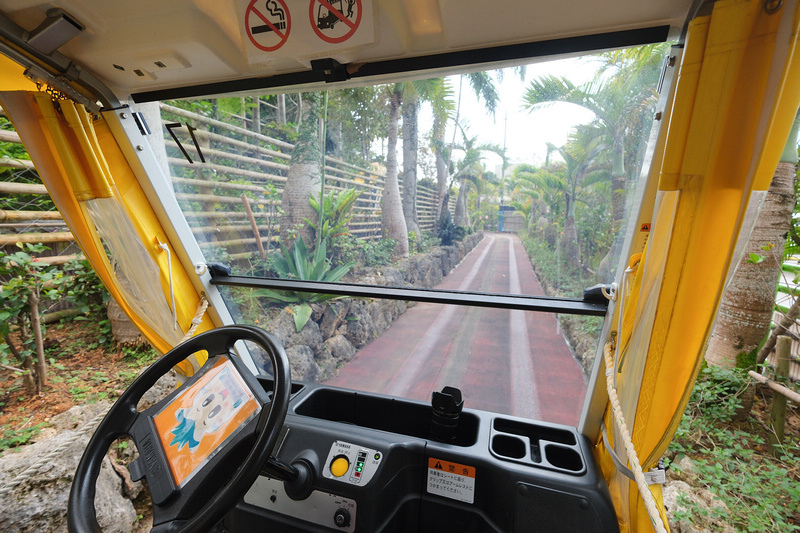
(80, 371)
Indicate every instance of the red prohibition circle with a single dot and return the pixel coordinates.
(280, 29)
(327, 4)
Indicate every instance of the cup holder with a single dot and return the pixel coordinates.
(544, 446)
(564, 458)
(508, 446)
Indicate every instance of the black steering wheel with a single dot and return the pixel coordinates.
(202, 501)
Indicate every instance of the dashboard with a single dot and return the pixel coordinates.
(373, 463)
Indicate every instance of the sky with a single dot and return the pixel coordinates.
(525, 133)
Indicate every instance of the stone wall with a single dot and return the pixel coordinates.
(336, 330)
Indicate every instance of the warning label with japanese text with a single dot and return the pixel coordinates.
(451, 480)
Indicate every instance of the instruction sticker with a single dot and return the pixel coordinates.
(451, 480)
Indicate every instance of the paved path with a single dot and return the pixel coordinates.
(512, 362)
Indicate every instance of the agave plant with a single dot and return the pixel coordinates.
(298, 263)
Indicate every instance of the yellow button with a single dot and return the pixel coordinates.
(339, 466)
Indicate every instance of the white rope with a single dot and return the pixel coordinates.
(164, 247)
(198, 318)
(633, 459)
(37, 467)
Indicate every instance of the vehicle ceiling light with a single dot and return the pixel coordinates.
(55, 31)
(423, 16)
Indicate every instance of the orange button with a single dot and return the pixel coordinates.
(339, 466)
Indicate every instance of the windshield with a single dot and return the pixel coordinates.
(505, 182)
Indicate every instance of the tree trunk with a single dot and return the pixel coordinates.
(461, 217)
(27, 378)
(256, 124)
(781, 329)
(27, 365)
(410, 149)
(304, 177)
(746, 309)
(281, 113)
(123, 331)
(393, 224)
(618, 198)
(441, 169)
(571, 250)
(36, 327)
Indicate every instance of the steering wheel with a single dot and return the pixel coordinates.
(196, 505)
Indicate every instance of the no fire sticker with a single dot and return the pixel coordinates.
(451, 480)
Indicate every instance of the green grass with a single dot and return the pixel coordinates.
(731, 460)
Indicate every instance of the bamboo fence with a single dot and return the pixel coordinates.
(231, 201)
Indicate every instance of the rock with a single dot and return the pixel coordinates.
(682, 482)
(340, 348)
(359, 323)
(40, 502)
(333, 317)
(286, 332)
(165, 385)
(302, 363)
(77, 417)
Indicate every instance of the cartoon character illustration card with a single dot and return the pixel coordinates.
(201, 418)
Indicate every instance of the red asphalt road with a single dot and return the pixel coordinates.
(506, 361)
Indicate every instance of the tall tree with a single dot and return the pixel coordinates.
(483, 86)
(747, 304)
(470, 170)
(620, 95)
(393, 224)
(435, 92)
(411, 104)
(582, 168)
(303, 179)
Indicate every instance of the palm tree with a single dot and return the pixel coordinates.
(413, 93)
(470, 170)
(303, 179)
(619, 102)
(747, 304)
(582, 169)
(484, 87)
(393, 224)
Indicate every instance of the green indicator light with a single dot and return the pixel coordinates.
(358, 469)
(377, 456)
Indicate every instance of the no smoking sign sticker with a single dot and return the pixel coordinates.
(335, 21)
(270, 32)
(268, 24)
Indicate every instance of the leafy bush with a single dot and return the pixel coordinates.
(335, 214)
(760, 492)
(28, 281)
(350, 249)
(448, 232)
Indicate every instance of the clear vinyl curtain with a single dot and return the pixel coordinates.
(738, 89)
(97, 193)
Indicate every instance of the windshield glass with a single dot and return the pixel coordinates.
(504, 182)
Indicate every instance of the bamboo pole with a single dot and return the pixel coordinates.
(778, 412)
(777, 387)
(9, 162)
(35, 238)
(9, 187)
(12, 216)
(254, 227)
(10, 137)
(216, 198)
(259, 189)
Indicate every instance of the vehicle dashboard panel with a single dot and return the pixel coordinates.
(375, 468)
